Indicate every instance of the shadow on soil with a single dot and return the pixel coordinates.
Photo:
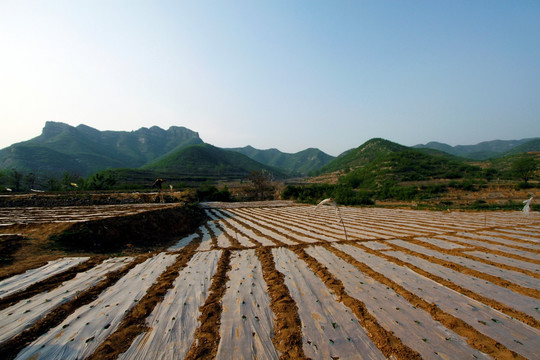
(148, 229)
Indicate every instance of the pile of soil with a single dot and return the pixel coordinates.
(147, 229)
(9, 244)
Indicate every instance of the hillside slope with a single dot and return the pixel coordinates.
(208, 160)
(362, 155)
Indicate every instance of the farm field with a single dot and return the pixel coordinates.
(273, 280)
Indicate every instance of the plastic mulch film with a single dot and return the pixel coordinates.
(509, 275)
(525, 304)
(512, 235)
(503, 248)
(245, 230)
(266, 232)
(415, 327)
(25, 313)
(443, 244)
(173, 322)
(329, 328)
(246, 321)
(506, 260)
(83, 331)
(512, 333)
(500, 240)
(376, 245)
(206, 242)
(22, 281)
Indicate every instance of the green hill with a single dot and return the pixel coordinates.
(362, 155)
(480, 151)
(409, 165)
(529, 146)
(208, 160)
(300, 163)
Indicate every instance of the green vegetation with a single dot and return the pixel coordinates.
(209, 192)
(362, 155)
(208, 160)
(377, 170)
(487, 149)
(312, 194)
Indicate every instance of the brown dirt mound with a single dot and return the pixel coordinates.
(149, 228)
(287, 329)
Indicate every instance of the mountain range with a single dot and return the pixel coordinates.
(485, 150)
(180, 152)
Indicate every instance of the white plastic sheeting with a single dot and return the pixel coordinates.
(266, 232)
(506, 260)
(206, 241)
(503, 248)
(174, 321)
(25, 215)
(25, 313)
(415, 327)
(184, 241)
(376, 245)
(509, 275)
(22, 281)
(485, 288)
(84, 330)
(294, 227)
(512, 333)
(246, 321)
(440, 243)
(329, 328)
(232, 231)
(511, 235)
(237, 226)
(499, 240)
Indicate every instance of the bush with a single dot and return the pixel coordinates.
(212, 193)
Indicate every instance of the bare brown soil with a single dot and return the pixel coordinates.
(287, 326)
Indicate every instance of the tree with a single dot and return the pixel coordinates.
(30, 180)
(70, 181)
(261, 181)
(101, 181)
(524, 168)
(16, 178)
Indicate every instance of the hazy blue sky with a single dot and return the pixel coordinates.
(283, 74)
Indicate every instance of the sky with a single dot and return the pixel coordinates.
(278, 74)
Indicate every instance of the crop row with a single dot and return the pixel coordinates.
(298, 282)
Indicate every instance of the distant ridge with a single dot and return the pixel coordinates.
(300, 163)
(484, 150)
(179, 152)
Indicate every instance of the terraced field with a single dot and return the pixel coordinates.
(271, 280)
